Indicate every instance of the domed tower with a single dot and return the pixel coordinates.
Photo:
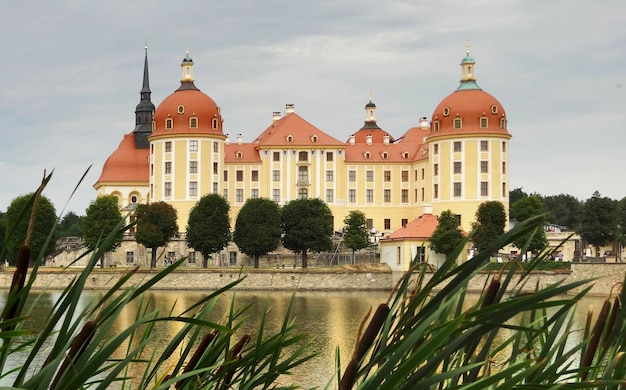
(370, 133)
(468, 149)
(186, 147)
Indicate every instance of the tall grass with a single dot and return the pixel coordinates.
(426, 336)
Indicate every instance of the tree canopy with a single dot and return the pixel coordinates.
(598, 222)
(489, 224)
(530, 207)
(71, 225)
(355, 233)
(102, 216)
(307, 225)
(156, 225)
(257, 228)
(447, 235)
(16, 221)
(208, 228)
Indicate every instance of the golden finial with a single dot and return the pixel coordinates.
(468, 46)
(370, 95)
(145, 47)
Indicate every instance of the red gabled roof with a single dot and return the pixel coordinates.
(126, 163)
(421, 228)
(302, 134)
(244, 153)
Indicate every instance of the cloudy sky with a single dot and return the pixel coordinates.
(71, 73)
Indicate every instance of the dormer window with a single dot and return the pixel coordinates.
(367, 155)
(503, 123)
(214, 123)
(169, 123)
(193, 123)
(458, 123)
(436, 126)
(405, 155)
(314, 139)
(494, 109)
(385, 155)
(289, 138)
(181, 110)
(483, 122)
(239, 155)
(446, 111)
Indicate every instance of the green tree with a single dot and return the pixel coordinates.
(523, 209)
(563, 210)
(490, 222)
(156, 225)
(208, 228)
(257, 228)
(3, 227)
(355, 233)
(621, 222)
(45, 221)
(71, 225)
(448, 235)
(516, 194)
(598, 222)
(102, 216)
(307, 225)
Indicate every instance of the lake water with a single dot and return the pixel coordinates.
(332, 318)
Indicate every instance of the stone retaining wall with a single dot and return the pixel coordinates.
(375, 277)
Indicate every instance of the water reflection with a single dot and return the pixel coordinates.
(332, 318)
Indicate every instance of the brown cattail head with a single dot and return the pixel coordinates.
(80, 342)
(590, 351)
(349, 375)
(195, 358)
(378, 319)
(490, 294)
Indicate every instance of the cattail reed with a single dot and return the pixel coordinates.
(195, 358)
(19, 278)
(491, 293)
(235, 357)
(349, 375)
(81, 341)
(617, 307)
(590, 351)
(368, 337)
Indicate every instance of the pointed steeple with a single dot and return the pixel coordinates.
(144, 110)
(468, 78)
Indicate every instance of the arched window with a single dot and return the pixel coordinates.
(169, 123)
(214, 124)
(367, 155)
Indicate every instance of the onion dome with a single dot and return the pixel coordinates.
(188, 110)
(468, 109)
(370, 133)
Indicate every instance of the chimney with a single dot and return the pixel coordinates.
(386, 139)
(368, 139)
(227, 140)
(289, 109)
(424, 125)
(428, 209)
(239, 139)
(276, 116)
(352, 140)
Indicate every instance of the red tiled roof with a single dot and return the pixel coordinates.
(420, 228)
(126, 163)
(302, 134)
(249, 153)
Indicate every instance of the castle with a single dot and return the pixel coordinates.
(179, 152)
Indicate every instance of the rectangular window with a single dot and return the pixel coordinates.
(329, 176)
(436, 191)
(503, 166)
(329, 156)
(503, 147)
(275, 175)
(276, 195)
(130, 257)
(303, 174)
(352, 195)
(352, 176)
(254, 193)
(387, 195)
(370, 223)
(303, 156)
(458, 123)
(435, 169)
(504, 190)
(276, 156)
(225, 175)
(239, 195)
(168, 167)
(405, 196)
(215, 168)
(216, 147)
(387, 175)
(484, 188)
(193, 188)
(423, 173)
(457, 167)
(191, 257)
(225, 193)
(483, 122)
(404, 222)
(239, 175)
(232, 258)
(329, 196)
(387, 224)
(168, 189)
(457, 146)
(423, 195)
(214, 188)
(457, 189)
(369, 196)
(255, 175)
(193, 146)
(436, 149)
(484, 167)
(369, 176)
(484, 146)
(458, 219)
(405, 176)
(193, 167)
(168, 146)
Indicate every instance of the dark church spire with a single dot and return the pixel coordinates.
(144, 111)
